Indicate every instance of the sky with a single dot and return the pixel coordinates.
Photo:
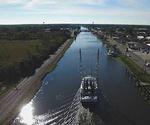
(75, 11)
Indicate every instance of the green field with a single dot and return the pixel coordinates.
(15, 51)
(24, 48)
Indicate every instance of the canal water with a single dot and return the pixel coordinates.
(57, 101)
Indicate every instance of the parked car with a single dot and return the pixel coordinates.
(128, 55)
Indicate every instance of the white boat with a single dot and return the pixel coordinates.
(88, 90)
(111, 53)
(89, 84)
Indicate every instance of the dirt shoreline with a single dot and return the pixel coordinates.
(12, 102)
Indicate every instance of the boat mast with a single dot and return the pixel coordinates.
(97, 67)
(80, 68)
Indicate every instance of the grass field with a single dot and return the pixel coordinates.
(12, 52)
(15, 51)
(21, 55)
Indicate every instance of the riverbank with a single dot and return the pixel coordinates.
(10, 104)
(133, 62)
(139, 73)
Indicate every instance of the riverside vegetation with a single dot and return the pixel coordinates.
(23, 48)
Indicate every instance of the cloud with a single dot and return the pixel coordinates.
(91, 1)
(32, 3)
(12, 1)
(37, 3)
(75, 10)
(133, 3)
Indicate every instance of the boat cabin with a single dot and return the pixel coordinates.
(89, 89)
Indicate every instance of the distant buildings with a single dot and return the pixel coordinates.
(136, 37)
(134, 45)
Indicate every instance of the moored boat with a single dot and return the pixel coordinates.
(112, 53)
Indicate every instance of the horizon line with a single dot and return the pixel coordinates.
(76, 24)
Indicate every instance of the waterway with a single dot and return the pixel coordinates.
(57, 100)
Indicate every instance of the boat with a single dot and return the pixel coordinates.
(112, 53)
(88, 90)
(89, 84)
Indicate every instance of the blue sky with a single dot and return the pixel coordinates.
(75, 11)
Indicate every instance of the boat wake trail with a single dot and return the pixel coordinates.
(64, 115)
(70, 113)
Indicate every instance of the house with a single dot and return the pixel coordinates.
(147, 38)
(140, 37)
(47, 30)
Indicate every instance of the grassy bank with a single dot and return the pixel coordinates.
(138, 71)
(20, 56)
